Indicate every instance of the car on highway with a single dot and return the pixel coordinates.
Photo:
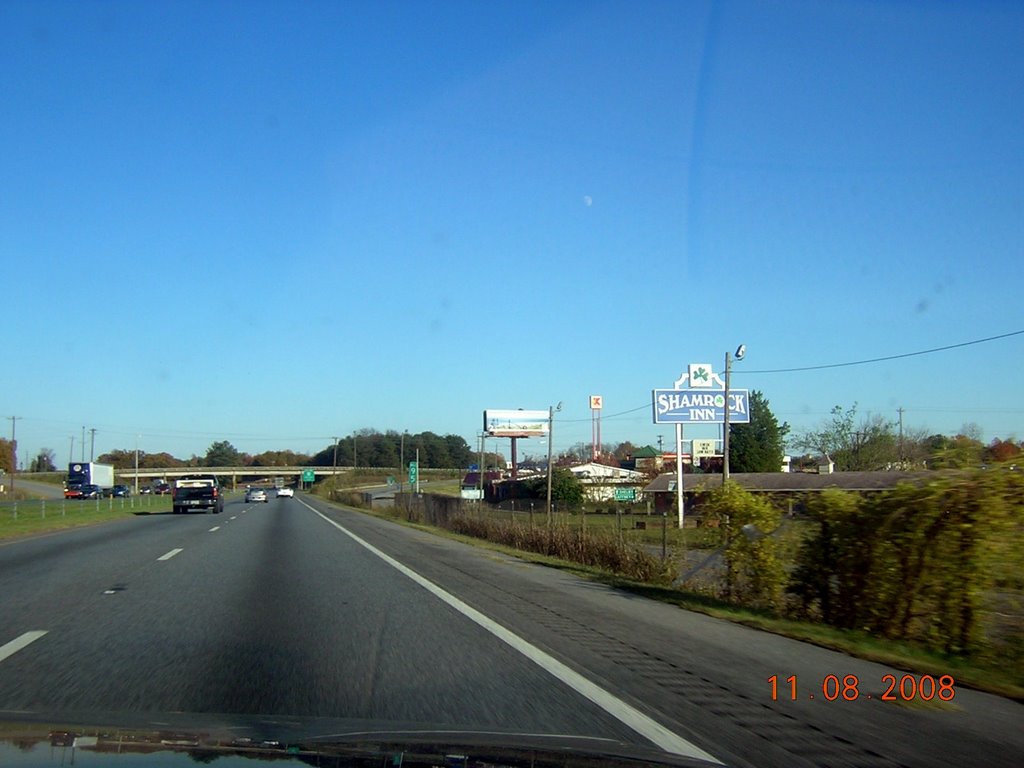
(162, 488)
(91, 492)
(73, 490)
(285, 492)
(255, 495)
(121, 491)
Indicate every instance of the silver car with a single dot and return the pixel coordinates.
(256, 494)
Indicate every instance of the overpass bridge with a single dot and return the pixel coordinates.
(290, 474)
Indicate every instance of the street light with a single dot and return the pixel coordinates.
(741, 350)
(401, 460)
(551, 440)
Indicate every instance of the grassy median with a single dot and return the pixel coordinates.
(33, 516)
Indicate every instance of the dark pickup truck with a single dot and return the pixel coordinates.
(196, 493)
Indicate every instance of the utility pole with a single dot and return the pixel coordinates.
(900, 411)
(92, 443)
(480, 466)
(335, 456)
(401, 460)
(137, 465)
(14, 452)
(551, 440)
(355, 450)
(725, 424)
(83, 444)
(71, 451)
(741, 350)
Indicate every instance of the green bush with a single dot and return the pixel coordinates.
(754, 573)
(929, 564)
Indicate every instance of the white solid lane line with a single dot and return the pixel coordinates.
(18, 643)
(215, 528)
(169, 555)
(622, 711)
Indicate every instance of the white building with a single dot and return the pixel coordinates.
(600, 481)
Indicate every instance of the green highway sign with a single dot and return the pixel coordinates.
(308, 476)
(625, 494)
(414, 471)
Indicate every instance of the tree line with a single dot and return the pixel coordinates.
(851, 441)
(365, 448)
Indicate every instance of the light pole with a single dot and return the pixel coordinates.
(551, 440)
(335, 471)
(14, 453)
(137, 464)
(355, 454)
(482, 466)
(741, 350)
(401, 461)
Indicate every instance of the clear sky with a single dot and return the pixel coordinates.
(274, 222)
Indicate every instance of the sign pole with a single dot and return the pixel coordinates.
(679, 473)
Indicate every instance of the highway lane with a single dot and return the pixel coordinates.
(263, 610)
(285, 611)
(38, 489)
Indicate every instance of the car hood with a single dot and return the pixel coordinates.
(143, 739)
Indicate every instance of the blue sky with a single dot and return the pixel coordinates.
(274, 222)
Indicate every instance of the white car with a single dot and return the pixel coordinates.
(288, 492)
(255, 494)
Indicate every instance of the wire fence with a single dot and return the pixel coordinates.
(16, 509)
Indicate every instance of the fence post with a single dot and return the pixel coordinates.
(618, 522)
(664, 535)
(42, 507)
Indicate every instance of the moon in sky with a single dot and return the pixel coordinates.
(588, 200)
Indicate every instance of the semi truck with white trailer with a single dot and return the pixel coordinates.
(82, 474)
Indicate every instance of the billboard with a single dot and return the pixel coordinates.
(517, 423)
(699, 406)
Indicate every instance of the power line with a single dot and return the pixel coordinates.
(888, 357)
(838, 365)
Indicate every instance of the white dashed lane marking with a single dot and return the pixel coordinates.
(215, 528)
(170, 554)
(11, 648)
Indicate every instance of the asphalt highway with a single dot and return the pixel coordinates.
(297, 609)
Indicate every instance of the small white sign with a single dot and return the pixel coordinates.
(701, 448)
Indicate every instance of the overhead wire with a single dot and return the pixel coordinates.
(901, 356)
